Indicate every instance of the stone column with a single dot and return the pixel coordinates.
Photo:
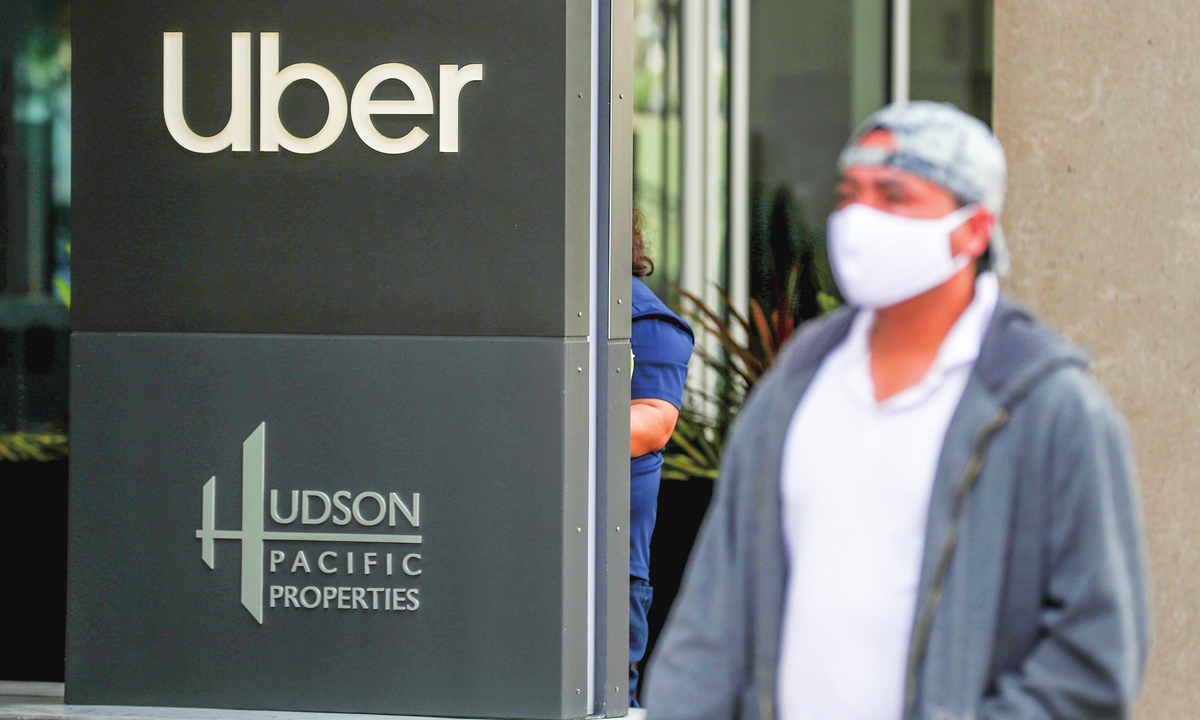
(1098, 106)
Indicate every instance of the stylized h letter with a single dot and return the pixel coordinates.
(251, 534)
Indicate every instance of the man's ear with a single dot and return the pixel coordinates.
(973, 238)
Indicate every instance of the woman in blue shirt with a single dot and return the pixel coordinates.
(662, 345)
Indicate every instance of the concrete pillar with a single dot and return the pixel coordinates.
(1098, 106)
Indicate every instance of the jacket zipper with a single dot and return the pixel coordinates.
(937, 585)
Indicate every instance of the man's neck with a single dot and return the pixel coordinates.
(906, 336)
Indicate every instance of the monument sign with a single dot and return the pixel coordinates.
(350, 356)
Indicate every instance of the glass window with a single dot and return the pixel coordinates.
(951, 54)
(35, 216)
(816, 70)
(656, 138)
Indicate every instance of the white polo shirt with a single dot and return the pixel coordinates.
(856, 482)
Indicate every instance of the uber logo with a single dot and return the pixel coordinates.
(273, 82)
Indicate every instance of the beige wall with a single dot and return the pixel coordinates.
(1098, 105)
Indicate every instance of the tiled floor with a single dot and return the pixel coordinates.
(97, 713)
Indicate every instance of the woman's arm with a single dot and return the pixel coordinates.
(651, 423)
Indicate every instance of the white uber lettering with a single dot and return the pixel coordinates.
(236, 133)
(273, 81)
(362, 107)
(450, 84)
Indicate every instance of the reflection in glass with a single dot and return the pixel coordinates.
(952, 53)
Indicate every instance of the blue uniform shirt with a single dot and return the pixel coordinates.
(662, 345)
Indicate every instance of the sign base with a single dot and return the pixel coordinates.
(55, 711)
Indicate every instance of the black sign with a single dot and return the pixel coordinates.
(336, 265)
(282, 523)
(449, 218)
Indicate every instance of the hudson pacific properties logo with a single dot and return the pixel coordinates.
(367, 509)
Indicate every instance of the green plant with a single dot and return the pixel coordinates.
(748, 347)
(695, 448)
(39, 446)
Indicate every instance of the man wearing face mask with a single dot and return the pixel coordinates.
(927, 509)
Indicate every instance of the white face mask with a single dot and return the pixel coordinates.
(880, 259)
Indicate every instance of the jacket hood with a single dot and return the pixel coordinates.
(1018, 351)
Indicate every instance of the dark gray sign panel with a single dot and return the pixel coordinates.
(240, 167)
(283, 523)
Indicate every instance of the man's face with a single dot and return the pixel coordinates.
(891, 190)
(900, 192)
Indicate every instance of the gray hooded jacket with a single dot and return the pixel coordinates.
(1033, 598)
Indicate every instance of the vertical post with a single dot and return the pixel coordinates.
(739, 155)
(868, 82)
(620, 232)
(608, 500)
(704, 192)
(901, 12)
(694, 56)
(600, 229)
(1103, 220)
(610, 672)
(692, 121)
(716, 154)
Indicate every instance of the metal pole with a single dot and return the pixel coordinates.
(716, 151)
(901, 10)
(694, 170)
(692, 121)
(739, 155)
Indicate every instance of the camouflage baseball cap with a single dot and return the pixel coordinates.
(946, 146)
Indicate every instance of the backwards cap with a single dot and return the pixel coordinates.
(946, 146)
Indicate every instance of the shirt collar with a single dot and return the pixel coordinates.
(960, 347)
